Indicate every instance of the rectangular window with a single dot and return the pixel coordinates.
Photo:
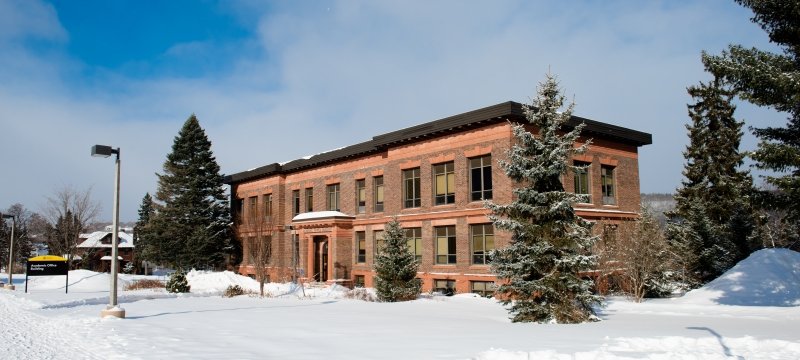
(309, 199)
(267, 199)
(446, 287)
(378, 183)
(361, 244)
(445, 244)
(358, 281)
(238, 210)
(480, 177)
(295, 202)
(483, 288)
(379, 242)
(414, 240)
(333, 197)
(252, 209)
(361, 196)
(411, 191)
(482, 243)
(582, 180)
(607, 183)
(444, 183)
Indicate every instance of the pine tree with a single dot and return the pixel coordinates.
(550, 245)
(396, 267)
(769, 79)
(714, 220)
(62, 239)
(178, 283)
(147, 248)
(193, 221)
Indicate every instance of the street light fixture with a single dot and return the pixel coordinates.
(113, 309)
(10, 285)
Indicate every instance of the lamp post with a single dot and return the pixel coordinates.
(10, 285)
(113, 309)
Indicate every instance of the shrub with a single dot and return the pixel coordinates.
(177, 282)
(360, 293)
(145, 284)
(233, 290)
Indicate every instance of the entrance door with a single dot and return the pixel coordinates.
(320, 258)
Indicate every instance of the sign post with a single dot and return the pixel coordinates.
(47, 265)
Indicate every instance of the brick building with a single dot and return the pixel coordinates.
(330, 209)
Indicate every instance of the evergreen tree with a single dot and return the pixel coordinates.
(193, 221)
(62, 239)
(147, 248)
(550, 245)
(714, 220)
(396, 267)
(769, 79)
(178, 283)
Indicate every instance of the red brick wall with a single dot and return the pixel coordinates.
(492, 139)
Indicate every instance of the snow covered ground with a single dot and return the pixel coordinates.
(751, 312)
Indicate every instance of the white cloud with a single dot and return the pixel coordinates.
(322, 76)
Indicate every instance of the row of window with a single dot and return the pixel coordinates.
(444, 244)
(443, 185)
(480, 179)
(581, 182)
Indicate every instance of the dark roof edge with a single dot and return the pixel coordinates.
(491, 114)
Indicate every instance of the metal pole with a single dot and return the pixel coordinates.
(115, 238)
(10, 285)
(113, 309)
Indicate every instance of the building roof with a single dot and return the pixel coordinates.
(94, 240)
(507, 111)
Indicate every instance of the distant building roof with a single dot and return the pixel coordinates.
(507, 111)
(95, 240)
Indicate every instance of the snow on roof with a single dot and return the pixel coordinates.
(94, 240)
(768, 277)
(319, 215)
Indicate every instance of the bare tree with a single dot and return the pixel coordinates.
(257, 223)
(635, 257)
(68, 211)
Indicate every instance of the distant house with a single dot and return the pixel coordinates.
(94, 249)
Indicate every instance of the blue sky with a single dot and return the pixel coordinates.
(274, 81)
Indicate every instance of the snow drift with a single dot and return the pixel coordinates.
(768, 277)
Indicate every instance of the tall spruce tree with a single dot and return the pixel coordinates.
(396, 267)
(193, 221)
(550, 245)
(714, 222)
(773, 80)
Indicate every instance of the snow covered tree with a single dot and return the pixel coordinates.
(714, 220)
(192, 225)
(396, 267)
(539, 270)
(178, 283)
(769, 79)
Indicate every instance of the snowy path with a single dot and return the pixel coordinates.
(26, 335)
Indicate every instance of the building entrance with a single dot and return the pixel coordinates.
(321, 258)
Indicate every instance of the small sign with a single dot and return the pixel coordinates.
(47, 265)
(47, 268)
